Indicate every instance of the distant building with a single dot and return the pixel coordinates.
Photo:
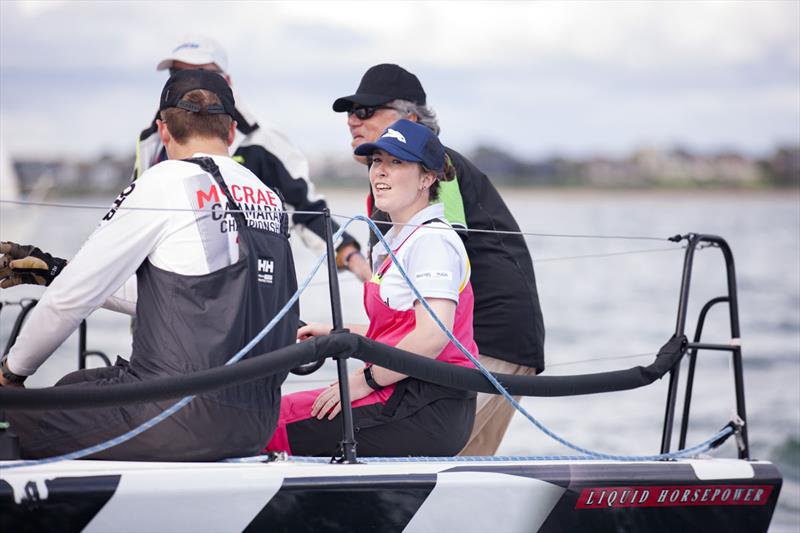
(106, 174)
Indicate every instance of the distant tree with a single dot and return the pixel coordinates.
(499, 165)
(503, 167)
(783, 167)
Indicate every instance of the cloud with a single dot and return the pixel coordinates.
(537, 76)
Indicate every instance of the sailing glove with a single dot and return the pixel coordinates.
(27, 264)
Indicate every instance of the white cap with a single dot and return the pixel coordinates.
(196, 50)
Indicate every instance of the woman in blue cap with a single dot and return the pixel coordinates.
(394, 414)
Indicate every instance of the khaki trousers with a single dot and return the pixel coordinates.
(494, 413)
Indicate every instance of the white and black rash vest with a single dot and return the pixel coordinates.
(268, 154)
(207, 282)
(190, 323)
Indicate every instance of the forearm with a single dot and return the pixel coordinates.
(318, 329)
(53, 319)
(124, 300)
(104, 263)
(421, 342)
(358, 329)
(348, 256)
(83, 286)
(426, 339)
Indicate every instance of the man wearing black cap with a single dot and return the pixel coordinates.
(509, 328)
(257, 145)
(200, 291)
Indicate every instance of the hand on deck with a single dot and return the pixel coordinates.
(313, 329)
(328, 402)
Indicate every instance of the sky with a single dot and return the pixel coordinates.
(537, 79)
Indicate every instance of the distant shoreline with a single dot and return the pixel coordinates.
(326, 189)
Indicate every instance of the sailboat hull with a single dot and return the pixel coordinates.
(476, 496)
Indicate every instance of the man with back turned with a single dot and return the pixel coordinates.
(183, 248)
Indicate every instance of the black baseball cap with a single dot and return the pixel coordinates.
(383, 83)
(184, 81)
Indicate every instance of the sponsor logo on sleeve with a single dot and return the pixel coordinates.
(434, 275)
(118, 202)
(672, 496)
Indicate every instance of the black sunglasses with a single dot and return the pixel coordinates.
(365, 112)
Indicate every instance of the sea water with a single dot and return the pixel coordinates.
(608, 303)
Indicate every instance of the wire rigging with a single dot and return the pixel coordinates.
(339, 216)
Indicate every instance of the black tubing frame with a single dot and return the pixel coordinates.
(347, 446)
(83, 353)
(26, 306)
(693, 241)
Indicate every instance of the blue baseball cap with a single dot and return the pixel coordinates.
(408, 141)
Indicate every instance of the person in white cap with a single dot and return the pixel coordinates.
(266, 152)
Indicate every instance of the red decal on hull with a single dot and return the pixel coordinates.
(672, 496)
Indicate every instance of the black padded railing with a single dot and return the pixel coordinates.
(337, 345)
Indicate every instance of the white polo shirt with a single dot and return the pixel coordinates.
(432, 255)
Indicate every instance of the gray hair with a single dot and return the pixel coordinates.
(425, 114)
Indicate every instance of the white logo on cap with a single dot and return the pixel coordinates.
(395, 134)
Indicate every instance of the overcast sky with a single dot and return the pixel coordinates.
(543, 78)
